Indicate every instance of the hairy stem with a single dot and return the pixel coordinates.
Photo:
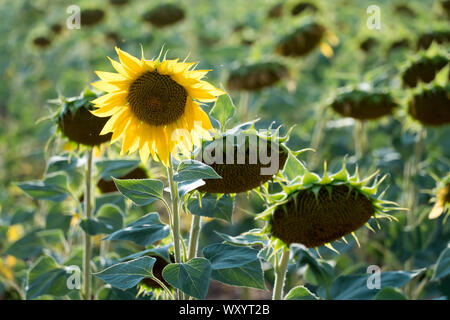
(280, 276)
(360, 138)
(87, 238)
(175, 217)
(193, 239)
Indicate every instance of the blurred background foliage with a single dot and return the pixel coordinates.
(41, 59)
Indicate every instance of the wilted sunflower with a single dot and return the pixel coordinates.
(90, 17)
(118, 2)
(399, 44)
(42, 42)
(164, 15)
(302, 6)
(305, 39)
(78, 124)
(256, 76)
(369, 44)
(431, 105)
(316, 211)
(363, 104)
(405, 10)
(153, 105)
(423, 69)
(236, 156)
(442, 199)
(275, 11)
(426, 39)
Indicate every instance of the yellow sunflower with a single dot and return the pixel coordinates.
(154, 105)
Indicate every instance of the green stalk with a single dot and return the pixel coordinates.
(414, 186)
(175, 218)
(316, 139)
(360, 138)
(280, 276)
(193, 239)
(87, 256)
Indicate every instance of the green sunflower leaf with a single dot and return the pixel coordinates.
(300, 293)
(235, 265)
(223, 110)
(126, 275)
(191, 170)
(53, 188)
(442, 265)
(143, 231)
(390, 293)
(141, 191)
(212, 207)
(192, 277)
(115, 168)
(46, 277)
(108, 219)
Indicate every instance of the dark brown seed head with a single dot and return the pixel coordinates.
(118, 2)
(243, 176)
(56, 28)
(302, 6)
(276, 11)
(302, 41)
(426, 39)
(424, 69)
(368, 44)
(41, 42)
(79, 125)
(363, 105)
(257, 76)
(431, 106)
(315, 221)
(164, 15)
(90, 17)
(157, 99)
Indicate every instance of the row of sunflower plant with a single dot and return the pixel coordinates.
(199, 164)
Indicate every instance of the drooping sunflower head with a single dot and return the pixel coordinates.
(76, 122)
(303, 6)
(438, 36)
(91, 17)
(305, 39)
(363, 104)
(149, 284)
(425, 66)
(441, 199)
(256, 76)
(430, 105)
(164, 15)
(316, 211)
(245, 159)
(368, 44)
(276, 11)
(42, 42)
(154, 105)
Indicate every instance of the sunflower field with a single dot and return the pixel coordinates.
(225, 150)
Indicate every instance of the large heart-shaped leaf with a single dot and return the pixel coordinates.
(223, 110)
(212, 207)
(115, 168)
(108, 219)
(192, 277)
(28, 246)
(235, 265)
(300, 293)
(143, 231)
(46, 277)
(442, 268)
(53, 188)
(141, 191)
(126, 275)
(350, 287)
(189, 170)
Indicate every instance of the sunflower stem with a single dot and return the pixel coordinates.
(280, 275)
(359, 135)
(316, 139)
(414, 185)
(87, 238)
(175, 218)
(193, 239)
